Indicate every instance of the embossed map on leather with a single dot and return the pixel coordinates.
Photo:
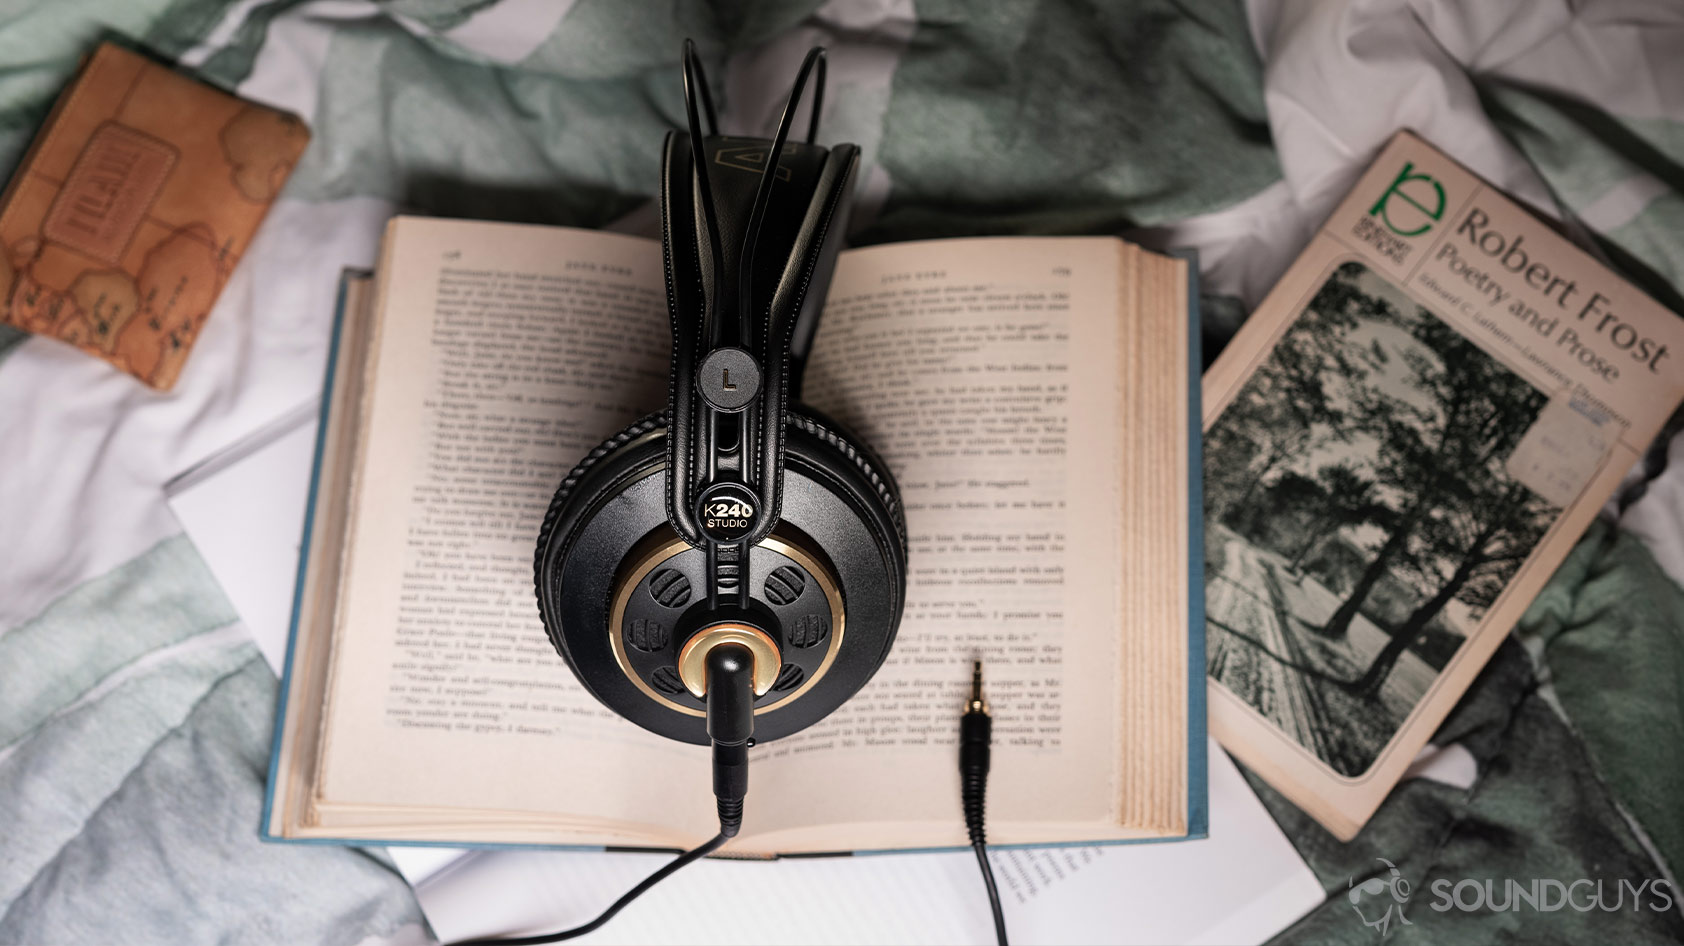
(132, 206)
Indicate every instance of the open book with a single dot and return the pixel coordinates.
(1036, 399)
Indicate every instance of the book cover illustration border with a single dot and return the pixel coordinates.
(132, 208)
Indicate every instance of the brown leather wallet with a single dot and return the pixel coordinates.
(131, 208)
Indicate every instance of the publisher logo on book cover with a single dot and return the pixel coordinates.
(1408, 208)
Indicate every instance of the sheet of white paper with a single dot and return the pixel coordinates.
(243, 509)
(1241, 885)
(419, 864)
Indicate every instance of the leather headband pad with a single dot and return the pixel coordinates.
(794, 252)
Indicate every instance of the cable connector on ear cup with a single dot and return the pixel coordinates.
(730, 721)
(730, 717)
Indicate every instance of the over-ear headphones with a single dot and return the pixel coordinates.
(736, 521)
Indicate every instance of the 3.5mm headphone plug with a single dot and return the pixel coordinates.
(976, 736)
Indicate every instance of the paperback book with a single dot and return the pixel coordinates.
(1400, 446)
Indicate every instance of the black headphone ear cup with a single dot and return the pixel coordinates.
(840, 515)
(852, 451)
(826, 430)
(649, 423)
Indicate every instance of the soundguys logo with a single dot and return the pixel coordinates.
(1379, 901)
(1371, 889)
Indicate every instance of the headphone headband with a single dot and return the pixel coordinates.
(737, 522)
(732, 379)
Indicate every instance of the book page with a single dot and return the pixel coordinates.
(988, 374)
(504, 355)
(304, 679)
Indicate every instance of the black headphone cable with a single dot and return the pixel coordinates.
(730, 667)
(976, 731)
(730, 716)
(666, 871)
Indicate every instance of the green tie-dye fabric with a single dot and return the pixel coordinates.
(1072, 117)
(136, 717)
(1584, 154)
(1553, 794)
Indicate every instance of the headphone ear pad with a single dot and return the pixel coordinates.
(851, 453)
(567, 503)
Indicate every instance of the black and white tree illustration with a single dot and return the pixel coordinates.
(1359, 514)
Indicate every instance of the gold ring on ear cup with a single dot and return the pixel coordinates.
(693, 656)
